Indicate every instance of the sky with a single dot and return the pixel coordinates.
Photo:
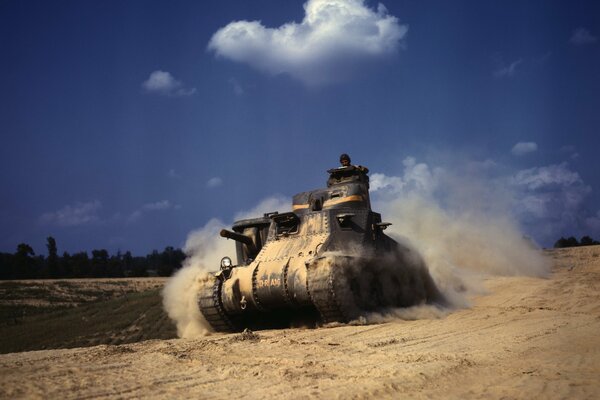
(126, 125)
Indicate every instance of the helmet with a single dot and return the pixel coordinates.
(345, 156)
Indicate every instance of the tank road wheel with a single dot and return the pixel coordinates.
(320, 288)
(343, 291)
(336, 291)
(348, 288)
(211, 307)
(378, 285)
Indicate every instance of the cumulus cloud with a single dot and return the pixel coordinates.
(557, 175)
(159, 205)
(506, 70)
(74, 215)
(214, 182)
(582, 36)
(379, 182)
(418, 177)
(163, 83)
(549, 199)
(152, 207)
(523, 148)
(544, 201)
(332, 35)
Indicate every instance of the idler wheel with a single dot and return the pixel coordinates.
(211, 307)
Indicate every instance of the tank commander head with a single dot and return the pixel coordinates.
(346, 162)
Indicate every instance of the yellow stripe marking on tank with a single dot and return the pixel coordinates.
(299, 206)
(333, 202)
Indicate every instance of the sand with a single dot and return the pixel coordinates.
(526, 338)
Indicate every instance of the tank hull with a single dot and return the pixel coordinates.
(325, 288)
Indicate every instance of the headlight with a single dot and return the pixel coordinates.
(226, 263)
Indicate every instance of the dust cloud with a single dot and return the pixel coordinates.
(180, 295)
(180, 300)
(460, 249)
(463, 227)
(463, 221)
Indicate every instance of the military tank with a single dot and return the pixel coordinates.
(328, 260)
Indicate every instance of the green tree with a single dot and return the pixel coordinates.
(52, 262)
(571, 241)
(588, 241)
(24, 262)
(66, 265)
(115, 266)
(7, 266)
(99, 263)
(127, 261)
(80, 264)
(560, 243)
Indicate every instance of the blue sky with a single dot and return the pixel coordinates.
(126, 125)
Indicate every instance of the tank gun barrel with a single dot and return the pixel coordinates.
(238, 237)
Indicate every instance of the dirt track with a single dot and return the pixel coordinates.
(528, 338)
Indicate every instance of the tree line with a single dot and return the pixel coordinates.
(573, 242)
(25, 264)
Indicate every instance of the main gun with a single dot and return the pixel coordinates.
(238, 237)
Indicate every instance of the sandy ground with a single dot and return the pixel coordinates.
(528, 338)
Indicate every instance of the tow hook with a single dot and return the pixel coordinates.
(243, 302)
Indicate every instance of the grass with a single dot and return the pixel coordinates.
(129, 318)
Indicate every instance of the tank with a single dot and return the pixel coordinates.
(328, 260)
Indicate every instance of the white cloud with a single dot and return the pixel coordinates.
(417, 178)
(544, 200)
(549, 199)
(214, 182)
(523, 148)
(151, 207)
(74, 215)
(333, 33)
(383, 182)
(544, 177)
(162, 82)
(159, 205)
(507, 71)
(582, 36)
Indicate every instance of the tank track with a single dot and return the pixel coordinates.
(320, 283)
(341, 292)
(211, 307)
